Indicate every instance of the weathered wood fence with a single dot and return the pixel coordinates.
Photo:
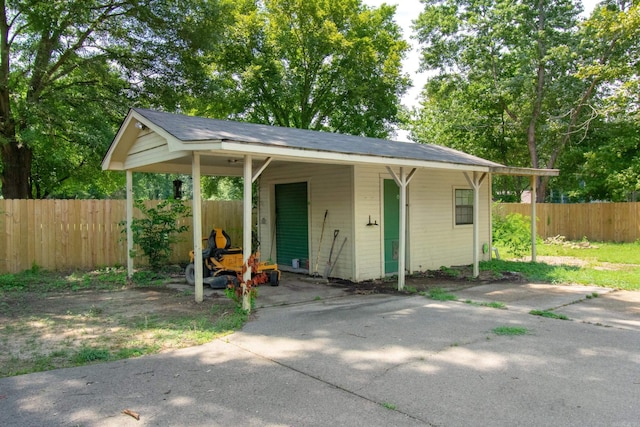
(602, 222)
(84, 234)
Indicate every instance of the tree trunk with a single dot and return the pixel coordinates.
(16, 162)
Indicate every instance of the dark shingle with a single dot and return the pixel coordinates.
(199, 129)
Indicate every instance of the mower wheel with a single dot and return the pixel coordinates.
(190, 273)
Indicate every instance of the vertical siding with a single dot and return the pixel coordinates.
(368, 238)
(329, 189)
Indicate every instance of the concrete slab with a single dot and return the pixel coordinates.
(530, 296)
(619, 309)
(374, 360)
(293, 289)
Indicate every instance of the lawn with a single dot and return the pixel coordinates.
(51, 320)
(615, 265)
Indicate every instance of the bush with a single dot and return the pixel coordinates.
(512, 232)
(158, 229)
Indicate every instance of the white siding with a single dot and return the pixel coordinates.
(329, 189)
(368, 202)
(433, 238)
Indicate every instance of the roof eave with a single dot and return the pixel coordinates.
(508, 170)
(290, 153)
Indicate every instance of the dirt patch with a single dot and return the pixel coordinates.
(449, 279)
(50, 328)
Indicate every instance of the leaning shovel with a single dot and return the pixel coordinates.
(327, 268)
(337, 256)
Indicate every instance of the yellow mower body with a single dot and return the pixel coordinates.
(223, 265)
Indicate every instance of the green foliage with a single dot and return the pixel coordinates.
(513, 232)
(519, 82)
(314, 64)
(491, 304)
(440, 294)
(509, 330)
(548, 314)
(622, 253)
(89, 354)
(627, 278)
(158, 229)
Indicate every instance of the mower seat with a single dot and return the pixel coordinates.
(218, 245)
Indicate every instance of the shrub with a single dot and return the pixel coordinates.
(158, 229)
(512, 232)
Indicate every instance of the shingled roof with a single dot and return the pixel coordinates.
(191, 129)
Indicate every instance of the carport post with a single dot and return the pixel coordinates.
(246, 229)
(129, 221)
(476, 183)
(534, 180)
(197, 226)
(402, 181)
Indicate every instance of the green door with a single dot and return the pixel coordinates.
(292, 223)
(391, 226)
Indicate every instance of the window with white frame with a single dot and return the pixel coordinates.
(464, 206)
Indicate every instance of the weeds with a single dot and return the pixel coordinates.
(491, 304)
(510, 330)
(548, 314)
(440, 294)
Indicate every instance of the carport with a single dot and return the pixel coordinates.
(158, 142)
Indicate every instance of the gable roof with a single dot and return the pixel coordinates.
(178, 135)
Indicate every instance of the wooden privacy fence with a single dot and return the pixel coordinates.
(84, 234)
(601, 222)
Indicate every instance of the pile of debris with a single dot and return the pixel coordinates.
(562, 241)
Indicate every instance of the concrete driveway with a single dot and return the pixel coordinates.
(371, 360)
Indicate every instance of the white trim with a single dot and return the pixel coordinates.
(129, 206)
(197, 226)
(296, 154)
(247, 231)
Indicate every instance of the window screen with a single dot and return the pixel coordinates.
(464, 207)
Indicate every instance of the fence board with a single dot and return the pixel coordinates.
(610, 222)
(85, 234)
(70, 234)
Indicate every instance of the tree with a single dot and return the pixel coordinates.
(68, 72)
(314, 64)
(534, 69)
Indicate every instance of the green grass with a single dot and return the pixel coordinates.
(109, 278)
(619, 253)
(390, 406)
(490, 304)
(548, 314)
(627, 278)
(510, 330)
(440, 294)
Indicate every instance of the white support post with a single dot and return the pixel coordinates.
(402, 181)
(129, 207)
(476, 183)
(197, 226)
(533, 218)
(246, 228)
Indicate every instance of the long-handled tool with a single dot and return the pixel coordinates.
(337, 256)
(324, 221)
(328, 266)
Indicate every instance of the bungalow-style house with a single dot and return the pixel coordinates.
(384, 207)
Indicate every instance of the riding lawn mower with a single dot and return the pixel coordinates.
(222, 265)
